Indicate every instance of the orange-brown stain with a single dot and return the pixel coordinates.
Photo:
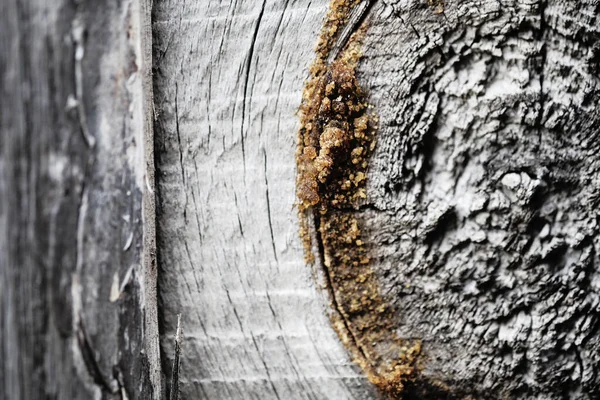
(335, 140)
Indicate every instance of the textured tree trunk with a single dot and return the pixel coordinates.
(77, 260)
(479, 228)
(483, 191)
(480, 213)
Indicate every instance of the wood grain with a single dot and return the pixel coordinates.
(77, 301)
(228, 78)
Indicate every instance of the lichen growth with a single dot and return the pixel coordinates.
(335, 140)
(437, 5)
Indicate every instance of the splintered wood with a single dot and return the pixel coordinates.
(335, 139)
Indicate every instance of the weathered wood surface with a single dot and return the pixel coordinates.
(483, 191)
(482, 196)
(228, 77)
(481, 213)
(77, 268)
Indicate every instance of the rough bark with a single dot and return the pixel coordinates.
(77, 266)
(483, 191)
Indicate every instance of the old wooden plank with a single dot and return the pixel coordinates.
(75, 206)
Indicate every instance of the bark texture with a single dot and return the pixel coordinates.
(77, 268)
(483, 192)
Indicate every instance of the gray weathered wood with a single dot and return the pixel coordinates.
(77, 258)
(483, 191)
(482, 197)
(228, 77)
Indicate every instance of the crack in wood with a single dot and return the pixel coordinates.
(329, 287)
(357, 16)
(89, 359)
